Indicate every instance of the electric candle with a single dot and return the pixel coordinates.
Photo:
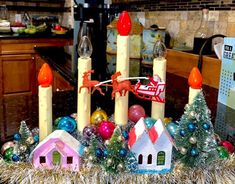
(195, 83)
(159, 68)
(45, 79)
(122, 65)
(84, 97)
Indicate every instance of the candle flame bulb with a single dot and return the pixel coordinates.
(159, 50)
(45, 76)
(195, 78)
(85, 47)
(124, 24)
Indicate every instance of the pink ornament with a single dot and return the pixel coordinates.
(5, 146)
(229, 147)
(106, 129)
(135, 112)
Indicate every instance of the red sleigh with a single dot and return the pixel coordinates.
(154, 91)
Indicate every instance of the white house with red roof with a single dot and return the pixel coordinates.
(152, 147)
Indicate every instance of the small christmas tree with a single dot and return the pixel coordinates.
(195, 135)
(24, 131)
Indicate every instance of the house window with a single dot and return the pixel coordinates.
(42, 159)
(161, 158)
(56, 158)
(140, 159)
(69, 160)
(149, 159)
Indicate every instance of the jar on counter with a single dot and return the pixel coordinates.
(202, 34)
(3, 12)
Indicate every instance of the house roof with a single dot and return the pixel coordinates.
(154, 133)
(64, 136)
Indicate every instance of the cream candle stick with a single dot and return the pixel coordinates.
(45, 79)
(84, 96)
(195, 84)
(122, 65)
(159, 68)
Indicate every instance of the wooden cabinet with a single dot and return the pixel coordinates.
(19, 68)
(59, 83)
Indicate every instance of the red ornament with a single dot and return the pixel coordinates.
(106, 129)
(45, 76)
(228, 146)
(135, 112)
(195, 78)
(124, 24)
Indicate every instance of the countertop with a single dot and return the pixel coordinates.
(12, 35)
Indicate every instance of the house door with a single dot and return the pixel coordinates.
(56, 157)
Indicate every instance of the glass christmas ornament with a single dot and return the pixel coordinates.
(159, 50)
(194, 152)
(223, 152)
(15, 158)
(135, 112)
(122, 152)
(106, 129)
(99, 152)
(191, 127)
(68, 124)
(88, 131)
(17, 137)
(98, 116)
(172, 128)
(85, 47)
(149, 122)
(182, 133)
(193, 140)
(206, 126)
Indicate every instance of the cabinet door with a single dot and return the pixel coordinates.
(18, 74)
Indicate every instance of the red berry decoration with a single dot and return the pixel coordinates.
(106, 129)
(124, 24)
(228, 146)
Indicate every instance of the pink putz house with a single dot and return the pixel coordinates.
(59, 149)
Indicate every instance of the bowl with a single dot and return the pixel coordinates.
(16, 29)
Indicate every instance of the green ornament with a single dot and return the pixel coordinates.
(8, 154)
(223, 153)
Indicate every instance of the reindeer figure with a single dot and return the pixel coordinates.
(87, 83)
(120, 86)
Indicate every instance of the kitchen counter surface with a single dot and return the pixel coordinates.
(12, 35)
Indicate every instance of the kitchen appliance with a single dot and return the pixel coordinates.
(91, 18)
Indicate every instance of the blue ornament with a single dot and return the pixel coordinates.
(125, 134)
(36, 138)
(194, 152)
(17, 137)
(68, 124)
(99, 152)
(122, 152)
(182, 133)
(15, 158)
(206, 126)
(191, 127)
(149, 122)
(106, 153)
(172, 128)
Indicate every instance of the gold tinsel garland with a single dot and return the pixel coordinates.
(222, 171)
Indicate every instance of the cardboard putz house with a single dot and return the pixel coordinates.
(152, 147)
(59, 149)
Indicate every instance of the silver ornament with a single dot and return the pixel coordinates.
(120, 167)
(90, 158)
(107, 142)
(193, 140)
(30, 140)
(22, 148)
(192, 114)
(183, 150)
(119, 138)
(86, 150)
(74, 115)
(109, 162)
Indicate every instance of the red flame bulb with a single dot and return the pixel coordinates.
(195, 78)
(124, 24)
(45, 76)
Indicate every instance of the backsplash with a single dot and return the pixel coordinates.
(175, 5)
(182, 25)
